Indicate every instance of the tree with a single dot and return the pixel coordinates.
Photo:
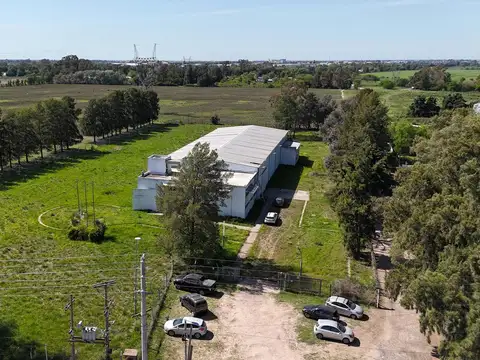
(454, 101)
(387, 84)
(431, 78)
(191, 202)
(288, 106)
(433, 219)
(360, 164)
(424, 107)
(404, 135)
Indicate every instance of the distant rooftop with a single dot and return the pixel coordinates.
(246, 145)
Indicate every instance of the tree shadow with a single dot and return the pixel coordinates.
(51, 163)
(54, 162)
(384, 262)
(17, 348)
(208, 336)
(288, 177)
(141, 133)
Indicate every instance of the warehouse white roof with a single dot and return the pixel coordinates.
(240, 179)
(246, 145)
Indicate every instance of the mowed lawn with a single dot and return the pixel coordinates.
(319, 236)
(239, 106)
(40, 267)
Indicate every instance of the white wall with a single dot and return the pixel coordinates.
(157, 164)
(289, 156)
(144, 199)
(149, 183)
(235, 203)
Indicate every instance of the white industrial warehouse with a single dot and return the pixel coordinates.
(252, 154)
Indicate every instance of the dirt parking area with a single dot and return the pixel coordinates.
(252, 324)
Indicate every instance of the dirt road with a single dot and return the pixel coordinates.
(251, 324)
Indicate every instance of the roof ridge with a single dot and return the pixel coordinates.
(236, 135)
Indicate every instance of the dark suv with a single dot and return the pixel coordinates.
(195, 283)
(194, 303)
(320, 312)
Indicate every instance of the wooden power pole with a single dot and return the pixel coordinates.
(106, 310)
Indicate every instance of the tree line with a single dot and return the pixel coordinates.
(433, 219)
(54, 124)
(118, 111)
(50, 124)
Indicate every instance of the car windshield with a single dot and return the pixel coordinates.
(351, 304)
(177, 322)
(341, 328)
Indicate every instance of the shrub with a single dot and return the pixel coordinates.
(97, 233)
(215, 119)
(81, 232)
(387, 84)
(353, 290)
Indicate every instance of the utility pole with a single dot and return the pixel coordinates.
(86, 202)
(69, 306)
(143, 308)
(135, 278)
(93, 201)
(78, 200)
(106, 306)
(46, 352)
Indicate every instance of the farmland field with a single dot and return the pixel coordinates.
(182, 104)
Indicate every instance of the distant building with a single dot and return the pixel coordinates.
(252, 154)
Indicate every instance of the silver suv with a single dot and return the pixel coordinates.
(345, 307)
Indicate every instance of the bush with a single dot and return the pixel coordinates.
(354, 291)
(215, 119)
(387, 84)
(81, 232)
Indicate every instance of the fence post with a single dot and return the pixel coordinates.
(320, 289)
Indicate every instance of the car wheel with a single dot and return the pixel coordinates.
(171, 333)
(177, 287)
(346, 341)
(201, 292)
(197, 335)
(319, 336)
(353, 316)
(307, 315)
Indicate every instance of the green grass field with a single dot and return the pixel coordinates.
(36, 279)
(319, 236)
(456, 72)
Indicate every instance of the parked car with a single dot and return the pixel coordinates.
(330, 329)
(195, 283)
(194, 303)
(279, 201)
(183, 326)
(271, 218)
(345, 307)
(320, 312)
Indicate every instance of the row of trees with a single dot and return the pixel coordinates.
(51, 124)
(433, 219)
(360, 164)
(95, 77)
(295, 107)
(119, 110)
(427, 106)
(438, 78)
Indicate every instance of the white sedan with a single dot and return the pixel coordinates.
(271, 218)
(330, 329)
(184, 326)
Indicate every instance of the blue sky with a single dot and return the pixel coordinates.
(231, 30)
